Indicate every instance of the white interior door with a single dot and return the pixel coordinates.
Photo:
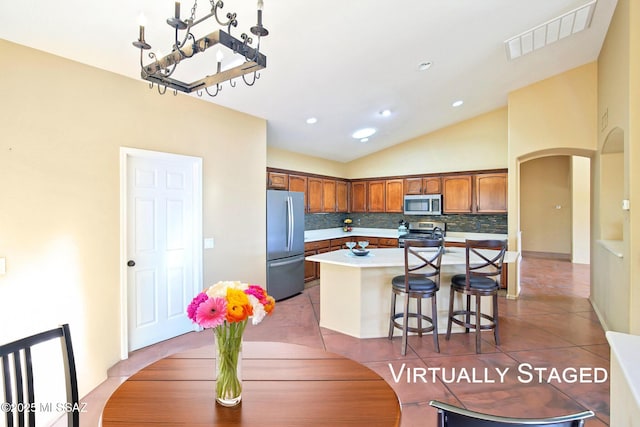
(163, 244)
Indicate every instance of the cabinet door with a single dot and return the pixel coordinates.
(375, 196)
(394, 195)
(491, 193)
(432, 185)
(359, 196)
(384, 242)
(456, 194)
(328, 195)
(277, 181)
(413, 186)
(314, 187)
(342, 196)
(299, 183)
(310, 267)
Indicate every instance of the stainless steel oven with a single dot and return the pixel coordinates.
(423, 230)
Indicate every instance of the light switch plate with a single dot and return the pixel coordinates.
(208, 243)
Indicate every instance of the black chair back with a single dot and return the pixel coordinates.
(20, 402)
(426, 263)
(453, 416)
(484, 259)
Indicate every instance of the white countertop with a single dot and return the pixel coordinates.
(626, 348)
(391, 257)
(392, 233)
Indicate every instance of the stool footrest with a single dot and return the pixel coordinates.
(411, 328)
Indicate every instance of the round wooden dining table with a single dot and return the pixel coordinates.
(283, 385)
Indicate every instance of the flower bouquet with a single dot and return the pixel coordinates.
(347, 225)
(226, 307)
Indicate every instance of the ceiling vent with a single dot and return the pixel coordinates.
(551, 31)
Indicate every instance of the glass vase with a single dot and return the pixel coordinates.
(228, 338)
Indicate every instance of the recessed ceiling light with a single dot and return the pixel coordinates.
(364, 140)
(312, 120)
(385, 113)
(363, 133)
(457, 103)
(424, 66)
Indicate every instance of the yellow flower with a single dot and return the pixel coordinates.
(347, 221)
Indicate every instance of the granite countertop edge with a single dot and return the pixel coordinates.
(391, 233)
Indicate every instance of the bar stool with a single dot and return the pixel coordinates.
(421, 279)
(484, 260)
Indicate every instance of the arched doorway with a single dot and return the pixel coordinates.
(554, 205)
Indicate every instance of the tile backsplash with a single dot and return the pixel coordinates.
(458, 222)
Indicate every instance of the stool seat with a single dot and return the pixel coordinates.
(459, 281)
(416, 284)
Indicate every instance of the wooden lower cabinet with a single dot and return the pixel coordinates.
(384, 242)
(312, 269)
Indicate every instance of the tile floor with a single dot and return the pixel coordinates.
(550, 328)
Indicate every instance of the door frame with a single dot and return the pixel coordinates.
(125, 154)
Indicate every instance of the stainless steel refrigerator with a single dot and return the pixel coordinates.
(285, 243)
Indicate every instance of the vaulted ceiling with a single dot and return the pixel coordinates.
(342, 62)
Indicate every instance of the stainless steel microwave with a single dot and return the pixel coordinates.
(423, 204)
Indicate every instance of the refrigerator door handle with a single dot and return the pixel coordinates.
(291, 224)
(290, 261)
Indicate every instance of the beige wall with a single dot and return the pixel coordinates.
(545, 205)
(59, 212)
(581, 210)
(475, 144)
(615, 280)
(556, 116)
(283, 159)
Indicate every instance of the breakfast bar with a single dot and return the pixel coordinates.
(355, 291)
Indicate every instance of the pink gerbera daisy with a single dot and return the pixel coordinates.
(212, 312)
(195, 303)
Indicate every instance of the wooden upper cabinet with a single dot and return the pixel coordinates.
(328, 195)
(299, 183)
(314, 188)
(277, 181)
(457, 194)
(342, 196)
(376, 196)
(491, 193)
(359, 196)
(430, 185)
(394, 195)
(413, 186)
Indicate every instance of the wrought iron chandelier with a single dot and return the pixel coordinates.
(186, 46)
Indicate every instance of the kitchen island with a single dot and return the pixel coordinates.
(355, 292)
